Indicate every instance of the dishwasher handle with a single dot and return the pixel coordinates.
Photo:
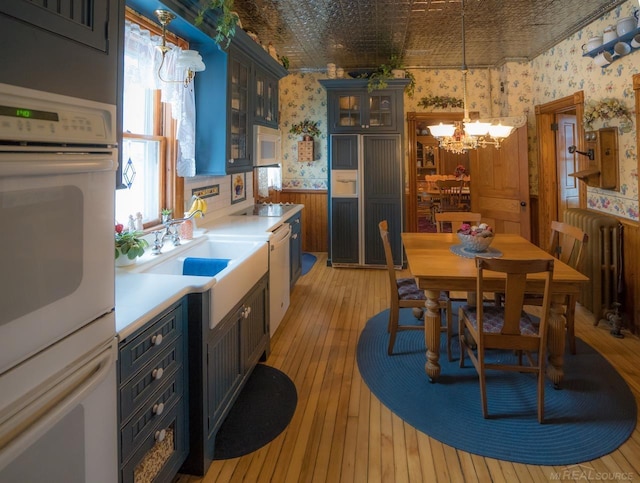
(280, 236)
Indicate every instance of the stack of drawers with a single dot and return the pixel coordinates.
(152, 399)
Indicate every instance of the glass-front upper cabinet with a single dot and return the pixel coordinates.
(239, 139)
(381, 110)
(265, 99)
(349, 109)
(352, 108)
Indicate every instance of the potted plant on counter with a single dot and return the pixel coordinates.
(129, 245)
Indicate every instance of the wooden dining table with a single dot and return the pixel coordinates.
(435, 268)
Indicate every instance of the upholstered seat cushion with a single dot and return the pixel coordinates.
(408, 290)
(494, 320)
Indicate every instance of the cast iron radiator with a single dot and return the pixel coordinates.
(602, 262)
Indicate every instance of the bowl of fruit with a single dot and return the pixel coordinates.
(475, 238)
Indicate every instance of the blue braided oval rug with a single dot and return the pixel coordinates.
(593, 413)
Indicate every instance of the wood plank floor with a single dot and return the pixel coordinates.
(340, 432)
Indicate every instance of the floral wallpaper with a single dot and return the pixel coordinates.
(563, 70)
(513, 89)
(302, 97)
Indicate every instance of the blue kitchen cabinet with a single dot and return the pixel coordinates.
(344, 243)
(68, 47)
(265, 98)
(226, 92)
(353, 109)
(366, 170)
(152, 399)
(295, 248)
(239, 91)
(221, 360)
(344, 152)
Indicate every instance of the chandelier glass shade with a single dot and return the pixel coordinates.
(464, 135)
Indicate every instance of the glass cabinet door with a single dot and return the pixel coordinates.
(381, 112)
(349, 108)
(238, 113)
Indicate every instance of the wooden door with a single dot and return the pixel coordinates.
(500, 184)
(566, 135)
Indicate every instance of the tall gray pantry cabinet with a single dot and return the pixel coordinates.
(366, 131)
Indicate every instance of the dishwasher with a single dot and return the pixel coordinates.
(279, 275)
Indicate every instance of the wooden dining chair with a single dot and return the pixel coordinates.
(404, 292)
(567, 244)
(507, 327)
(450, 195)
(456, 218)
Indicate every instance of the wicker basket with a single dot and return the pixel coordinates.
(475, 243)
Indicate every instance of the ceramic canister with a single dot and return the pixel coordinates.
(592, 44)
(609, 34)
(625, 25)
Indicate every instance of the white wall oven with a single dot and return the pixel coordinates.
(58, 159)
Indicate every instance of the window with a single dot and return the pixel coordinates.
(149, 180)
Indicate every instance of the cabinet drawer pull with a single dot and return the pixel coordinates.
(157, 373)
(156, 339)
(158, 409)
(297, 220)
(294, 236)
(160, 435)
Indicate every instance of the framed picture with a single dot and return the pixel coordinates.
(238, 187)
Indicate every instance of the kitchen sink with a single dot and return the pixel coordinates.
(236, 266)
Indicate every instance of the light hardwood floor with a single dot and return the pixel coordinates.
(340, 432)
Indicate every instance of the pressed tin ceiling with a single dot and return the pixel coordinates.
(362, 34)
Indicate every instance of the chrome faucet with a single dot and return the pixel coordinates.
(170, 232)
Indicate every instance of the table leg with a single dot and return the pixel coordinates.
(555, 342)
(432, 333)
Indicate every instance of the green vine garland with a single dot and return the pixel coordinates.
(440, 101)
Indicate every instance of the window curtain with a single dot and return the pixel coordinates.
(141, 66)
(269, 178)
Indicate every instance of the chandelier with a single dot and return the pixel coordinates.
(460, 137)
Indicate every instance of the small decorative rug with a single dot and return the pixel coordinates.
(262, 411)
(592, 414)
(307, 262)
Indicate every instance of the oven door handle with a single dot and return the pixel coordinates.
(32, 416)
(44, 164)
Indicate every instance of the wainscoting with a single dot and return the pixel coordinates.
(315, 218)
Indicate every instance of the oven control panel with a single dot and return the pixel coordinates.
(28, 116)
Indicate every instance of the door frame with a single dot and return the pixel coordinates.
(547, 161)
(413, 118)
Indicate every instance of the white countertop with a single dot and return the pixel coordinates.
(246, 225)
(142, 296)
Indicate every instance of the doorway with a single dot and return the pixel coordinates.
(568, 192)
(559, 126)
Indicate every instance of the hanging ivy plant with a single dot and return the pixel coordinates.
(605, 110)
(225, 22)
(440, 101)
